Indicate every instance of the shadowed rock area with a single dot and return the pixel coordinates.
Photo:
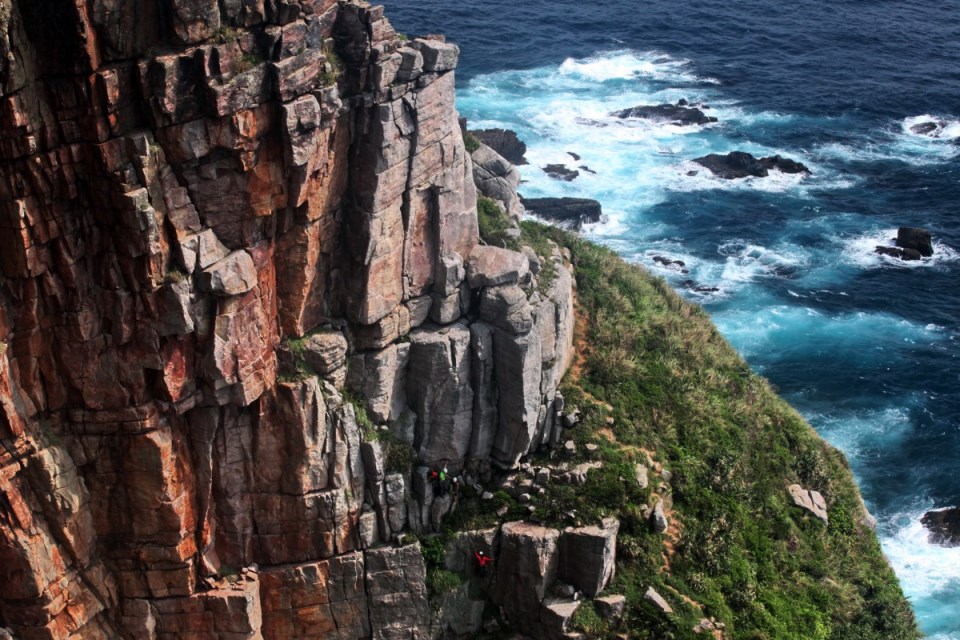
(505, 142)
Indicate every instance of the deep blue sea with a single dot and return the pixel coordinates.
(866, 347)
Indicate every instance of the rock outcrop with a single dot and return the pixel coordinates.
(809, 500)
(944, 526)
(239, 244)
(572, 213)
(674, 114)
(738, 164)
(505, 142)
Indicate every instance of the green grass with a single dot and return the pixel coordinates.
(746, 554)
(302, 370)
(470, 142)
(494, 224)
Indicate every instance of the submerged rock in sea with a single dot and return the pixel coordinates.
(897, 252)
(912, 243)
(561, 172)
(916, 239)
(944, 526)
(569, 212)
(739, 164)
(675, 114)
(932, 128)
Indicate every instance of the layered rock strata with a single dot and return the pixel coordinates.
(239, 240)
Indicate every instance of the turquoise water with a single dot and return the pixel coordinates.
(864, 346)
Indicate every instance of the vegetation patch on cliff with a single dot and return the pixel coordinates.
(660, 387)
(747, 555)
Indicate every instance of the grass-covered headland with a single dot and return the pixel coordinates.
(658, 385)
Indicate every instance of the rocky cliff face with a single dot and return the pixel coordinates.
(239, 257)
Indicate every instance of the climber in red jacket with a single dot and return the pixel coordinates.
(482, 561)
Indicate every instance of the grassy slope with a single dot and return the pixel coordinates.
(738, 548)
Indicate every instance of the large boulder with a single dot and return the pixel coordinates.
(944, 526)
(675, 114)
(738, 164)
(526, 568)
(916, 239)
(505, 142)
(572, 213)
(495, 177)
(491, 266)
(588, 556)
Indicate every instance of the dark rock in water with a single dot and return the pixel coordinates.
(924, 128)
(693, 286)
(738, 164)
(573, 155)
(944, 526)
(931, 128)
(587, 169)
(561, 172)
(675, 114)
(897, 252)
(916, 239)
(682, 102)
(571, 212)
(505, 142)
(667, 262)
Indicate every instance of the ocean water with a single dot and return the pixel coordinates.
(866, 347)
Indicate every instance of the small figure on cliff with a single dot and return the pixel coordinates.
(441, 482)
(482, 561)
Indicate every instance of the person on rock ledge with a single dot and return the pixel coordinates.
(482, 561)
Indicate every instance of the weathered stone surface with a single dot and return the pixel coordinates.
(497, 178)
(810, 500)
(492, 266)
(439, 391)
(556, 617)
(652, 596)
(658, 519)
(437, 56)
(611, 607)
(506, 307)
(316, 599)
(326, 351)
(231, 276)
(396, 588)
(588, 556)
(526, 568)
(380, 379)
(518, 373)
(172, 220)
(504, 142)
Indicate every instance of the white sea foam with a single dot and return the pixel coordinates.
(924, 569)
(626, 65)
(946, 128)
(861, 251)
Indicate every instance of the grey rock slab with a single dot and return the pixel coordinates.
(231, 276)
(491, 266)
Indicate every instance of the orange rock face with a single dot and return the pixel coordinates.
(189, 192)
